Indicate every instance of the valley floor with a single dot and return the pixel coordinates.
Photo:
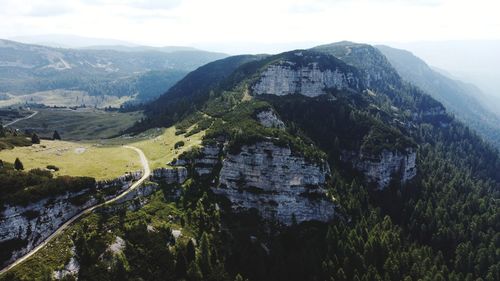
(102, 159)
(93, 156)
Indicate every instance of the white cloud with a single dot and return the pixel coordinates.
(49, 10)
(240, 24)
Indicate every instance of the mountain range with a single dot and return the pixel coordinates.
(286, 133)
(339, 162)
(141, 73)
(459, 98)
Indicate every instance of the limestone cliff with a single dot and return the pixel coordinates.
(170, 175)
(277, 183)
(30, 225)
(285, 78)
(33, 223)
(269, 119)
(381, 169)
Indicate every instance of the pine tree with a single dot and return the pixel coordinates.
(56, 135)
(239, 278)
(35, 139)
(2, 131)
(180, 265)
(18, 165)
(190, 252)
(194, 272)
(205, 254)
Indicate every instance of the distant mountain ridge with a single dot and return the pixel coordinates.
(26, 69)
(69, 41)
(460, 98)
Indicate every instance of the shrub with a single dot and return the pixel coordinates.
(56, 135)
(18, 165)
(35, 139)
(52, 167)
(180, 132)
(179, 144)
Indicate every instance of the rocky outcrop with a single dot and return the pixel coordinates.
(36, 221)
(70, 269)
(122, 181)
(170, 175)
(269, 119)
(383, 168)
(286, 78)
(280, 185)
(205, 164)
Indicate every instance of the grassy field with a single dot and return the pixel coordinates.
(76, 158)
(106, 159)
(103, 159)
(158, 144)
(80, 124)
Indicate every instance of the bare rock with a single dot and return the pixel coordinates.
(278, 184)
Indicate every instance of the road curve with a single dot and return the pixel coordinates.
(146, 174)
(20, 119)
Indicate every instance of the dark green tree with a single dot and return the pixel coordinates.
(205, 254)
(18, 165)
(56, 135)
(180, 265)
(194, 272)
(35, 139)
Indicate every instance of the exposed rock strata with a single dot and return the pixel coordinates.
(285, 79)
(170, 175)
(269, 119)
(278, 184)
(206, 163)
(36, 221)
(45, 217)
(381, 169)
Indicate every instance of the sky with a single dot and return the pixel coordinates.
(253, 26)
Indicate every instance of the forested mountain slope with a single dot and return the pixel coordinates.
(318, 164)
(417, 223)
(459, 98)
(146, 73)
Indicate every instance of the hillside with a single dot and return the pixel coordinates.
(142, 75)
(320, 164)
(461, 99)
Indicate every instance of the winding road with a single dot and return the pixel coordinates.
(20, 119)
(146, 174)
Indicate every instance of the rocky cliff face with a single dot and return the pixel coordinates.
(33, 223)
(278, 184)
(382, 168)
(269, 119)
(286, 78)
(170, 175)
(70, 269)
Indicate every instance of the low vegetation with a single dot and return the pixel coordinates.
(10, 138)
(159, 144)
(76, 158)
(78, 124)
(23, 187)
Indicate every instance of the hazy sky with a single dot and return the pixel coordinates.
(236, 26)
